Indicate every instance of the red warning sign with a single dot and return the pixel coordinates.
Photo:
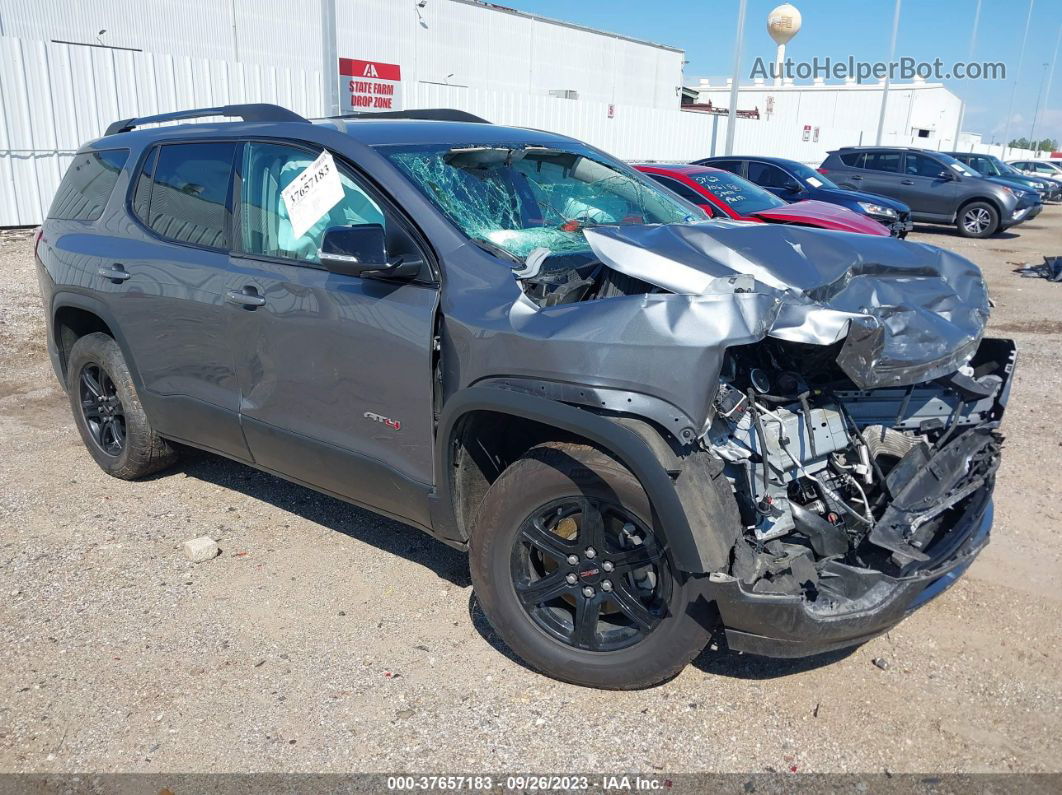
(369, 86)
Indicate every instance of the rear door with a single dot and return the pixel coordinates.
(335, 371)
(880, 173)
(927, 186)
(170, 276)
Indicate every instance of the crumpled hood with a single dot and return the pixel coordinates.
(906, 312)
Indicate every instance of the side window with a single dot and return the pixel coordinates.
(921, 166)
(686, 192)
(766, 175)
(183, 193)
(854, 159)
(733, 166)
(87, 185)
(264, 228)
(883, 161)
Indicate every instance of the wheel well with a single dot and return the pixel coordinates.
(71, 324)
(483, 445)
(983, 200)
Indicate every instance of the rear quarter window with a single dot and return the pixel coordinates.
(88, 184)
(853, 159)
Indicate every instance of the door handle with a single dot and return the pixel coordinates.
(248, 298)
(856, 177)
(907, 182)
(116, 273)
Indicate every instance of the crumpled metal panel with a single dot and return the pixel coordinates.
(665, 345)
(907, 312)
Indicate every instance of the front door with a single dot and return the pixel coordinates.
(335, 371)
(927, 186)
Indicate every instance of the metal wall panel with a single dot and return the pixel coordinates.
(55, 97)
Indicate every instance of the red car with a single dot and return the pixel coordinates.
(722, 194)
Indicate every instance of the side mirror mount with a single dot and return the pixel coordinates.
(361, 250)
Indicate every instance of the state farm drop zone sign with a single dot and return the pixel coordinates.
(369, 86)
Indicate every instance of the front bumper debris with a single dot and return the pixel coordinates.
(867, 604)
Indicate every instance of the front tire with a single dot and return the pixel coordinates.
(107, 411)
(570, 571)
(978, 219)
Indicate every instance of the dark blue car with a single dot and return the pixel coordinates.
(795, 181)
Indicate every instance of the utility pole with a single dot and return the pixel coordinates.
(885, 87)
(1017, 77)
(329, 60)
(731, 122)
(969, 57)
(1036, 111)
(1054, 62)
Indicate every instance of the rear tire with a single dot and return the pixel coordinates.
(644, 621)
(977, 219)
(107, 411)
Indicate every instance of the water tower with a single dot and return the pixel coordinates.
(782, 24)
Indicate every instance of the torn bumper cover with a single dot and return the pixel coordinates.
(856, 604)
(902, 312)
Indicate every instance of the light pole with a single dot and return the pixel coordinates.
(731, 122)
(1017, 76)
(1036, 110)
(885, 87)
(973, 44)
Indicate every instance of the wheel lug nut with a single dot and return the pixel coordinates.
(606, 585)
(590, 552)
(573, 559)
(588, 592)
(572, 579)
(607, 565)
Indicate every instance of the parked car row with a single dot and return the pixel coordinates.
(872, 190)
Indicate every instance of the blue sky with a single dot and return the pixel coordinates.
(839, 28)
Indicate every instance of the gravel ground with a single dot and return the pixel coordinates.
(325, 638)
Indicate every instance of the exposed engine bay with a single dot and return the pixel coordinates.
(874, 479)
(860, 428)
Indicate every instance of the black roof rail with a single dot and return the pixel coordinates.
(426, 114)
(252, 112)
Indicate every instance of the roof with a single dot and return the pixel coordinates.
(678, 168)
(777, 161)
(563, 24)
(379, 132)
(372, 132)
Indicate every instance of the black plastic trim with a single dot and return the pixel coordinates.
(620, 442)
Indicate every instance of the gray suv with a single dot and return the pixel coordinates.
(645, 427)
(938, 188)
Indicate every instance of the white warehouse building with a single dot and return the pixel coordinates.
(68, 68)
(822, 116)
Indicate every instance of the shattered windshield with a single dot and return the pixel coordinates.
(518, 198)
(740, 194)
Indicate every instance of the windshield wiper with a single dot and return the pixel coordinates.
(497, 250)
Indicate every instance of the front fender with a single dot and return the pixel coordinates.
(694, 550)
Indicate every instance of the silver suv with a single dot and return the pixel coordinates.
(938, 188)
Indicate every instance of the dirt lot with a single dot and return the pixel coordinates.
(327, 639)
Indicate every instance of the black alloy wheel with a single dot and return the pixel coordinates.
(102, 409)
(590, 574)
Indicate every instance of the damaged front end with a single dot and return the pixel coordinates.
(825, 404)
(860, 436)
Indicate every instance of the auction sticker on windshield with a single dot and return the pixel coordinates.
(312, 193)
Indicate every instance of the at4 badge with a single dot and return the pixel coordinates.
(394, 425)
